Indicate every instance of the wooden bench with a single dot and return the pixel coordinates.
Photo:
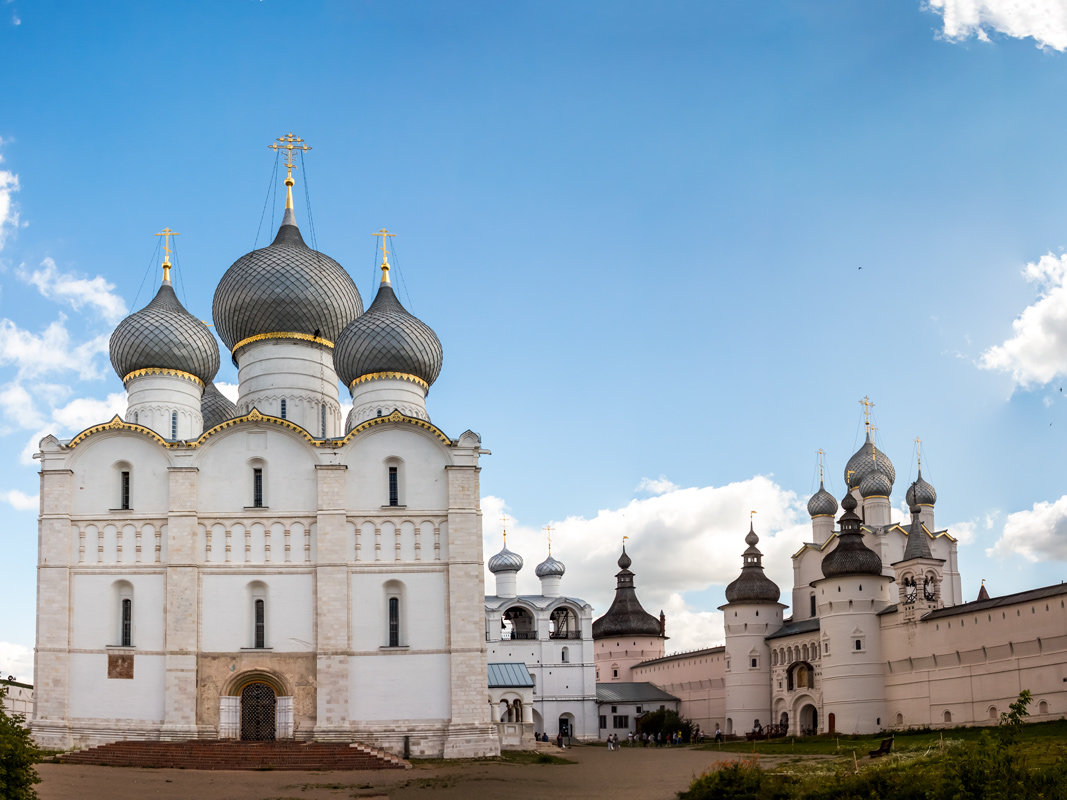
(884, 749)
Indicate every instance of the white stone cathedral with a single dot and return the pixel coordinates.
(266, 570)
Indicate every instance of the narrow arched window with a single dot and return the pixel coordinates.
(564, 656)
(260, 633)
(257, 487)
(812, 605)
(136, 417)
(394, 622)
(173, 424)
(127, 623)
(322, 421)
(283, 409)
(394, 486)
(124, 490)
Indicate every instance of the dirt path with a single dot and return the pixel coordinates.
(636, 774)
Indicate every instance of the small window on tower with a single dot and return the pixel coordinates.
(322, 421)
(284, 409)
(173, 424)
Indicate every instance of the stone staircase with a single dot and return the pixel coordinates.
(231, 754)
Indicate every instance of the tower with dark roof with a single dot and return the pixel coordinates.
(626, 634)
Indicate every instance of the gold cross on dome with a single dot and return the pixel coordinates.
(289, 143)
(820, 453)
(384, 234)
(548, 532)
(166, 234)
(867, 404)
(919, 452)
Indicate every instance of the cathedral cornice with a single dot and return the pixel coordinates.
(292, 335)
(174, 373)
(389, 376)
(255, 417)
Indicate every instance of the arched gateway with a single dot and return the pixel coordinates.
(258, 713)
(256, 707)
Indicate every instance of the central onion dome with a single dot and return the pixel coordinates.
(866, 460)
(163, 335)
(387, 339)
(505, 561)
(876, 484)
(284, 288)
(752, 585)
(822, 503)
(626, 617)
(920, 493)
(851, 556)
(550, 568)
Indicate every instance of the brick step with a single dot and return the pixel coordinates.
(209, 755)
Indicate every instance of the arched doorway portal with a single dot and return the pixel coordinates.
(259, 706)
(809, 720)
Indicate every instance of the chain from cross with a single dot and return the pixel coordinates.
(166, 234)
(289, 143)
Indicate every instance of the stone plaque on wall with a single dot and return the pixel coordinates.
(120, 665)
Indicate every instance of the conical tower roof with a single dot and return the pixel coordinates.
(752, 585)
(625, 617)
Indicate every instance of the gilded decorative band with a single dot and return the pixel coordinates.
(261, 337)
(387, 376)
(174, 373)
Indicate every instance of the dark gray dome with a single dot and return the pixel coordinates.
(550, 568)
(851, 556)
(866, 460)
(215, 407)
(505, 561)
(626, 617)
(163, 335)
(822, 503)
(387, 339)
(876, 484)
(920, 493)
(285, 287)
(752, 585)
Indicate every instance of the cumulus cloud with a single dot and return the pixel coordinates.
(682, 541)
(73, 417)
(1038, 534)
(1044, 21)
(19, 408)
(17, 660)
(76, 291)
(658, 485)
(51, 350)
(1037, 351)
(229, 390)
(20, 501)
(9, 215)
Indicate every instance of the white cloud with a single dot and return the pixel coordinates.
(9, 215)
(682, 541)
(74, 290)
(20, 501)
(17, 660)
(18, 406)
(74, 417)
(964, 532)
(658, 485)
(228, 390)
(1039, 534)
(50, 351)
(1044, 21)
(1037, 351)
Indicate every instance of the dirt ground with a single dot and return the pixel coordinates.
(636, 774)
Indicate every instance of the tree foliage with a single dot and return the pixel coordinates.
(18, 754)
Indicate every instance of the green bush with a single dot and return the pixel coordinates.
(665, 722)
(18, 754)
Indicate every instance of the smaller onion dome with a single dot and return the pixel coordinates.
(215, 407)
(920, 493)
(876, 484)
(505, 561)
(386, 338)
(550, 568)
(624, 561)
(822, 503)
(866, 460)
(752, 585)
(163, 335)
(851, 556)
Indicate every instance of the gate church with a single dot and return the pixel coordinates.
(266, 569)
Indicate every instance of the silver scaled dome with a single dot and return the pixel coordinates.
(822, 503)
(215, 407)
(876, 484)
(920, 493)
(163, 335)
(387, 339)
(752, 585)
(866, 460)
(285, 287)
(505, 561)
(550, 568)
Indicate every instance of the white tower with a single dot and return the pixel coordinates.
(752, 611)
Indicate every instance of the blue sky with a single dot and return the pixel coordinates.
(667, 250)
